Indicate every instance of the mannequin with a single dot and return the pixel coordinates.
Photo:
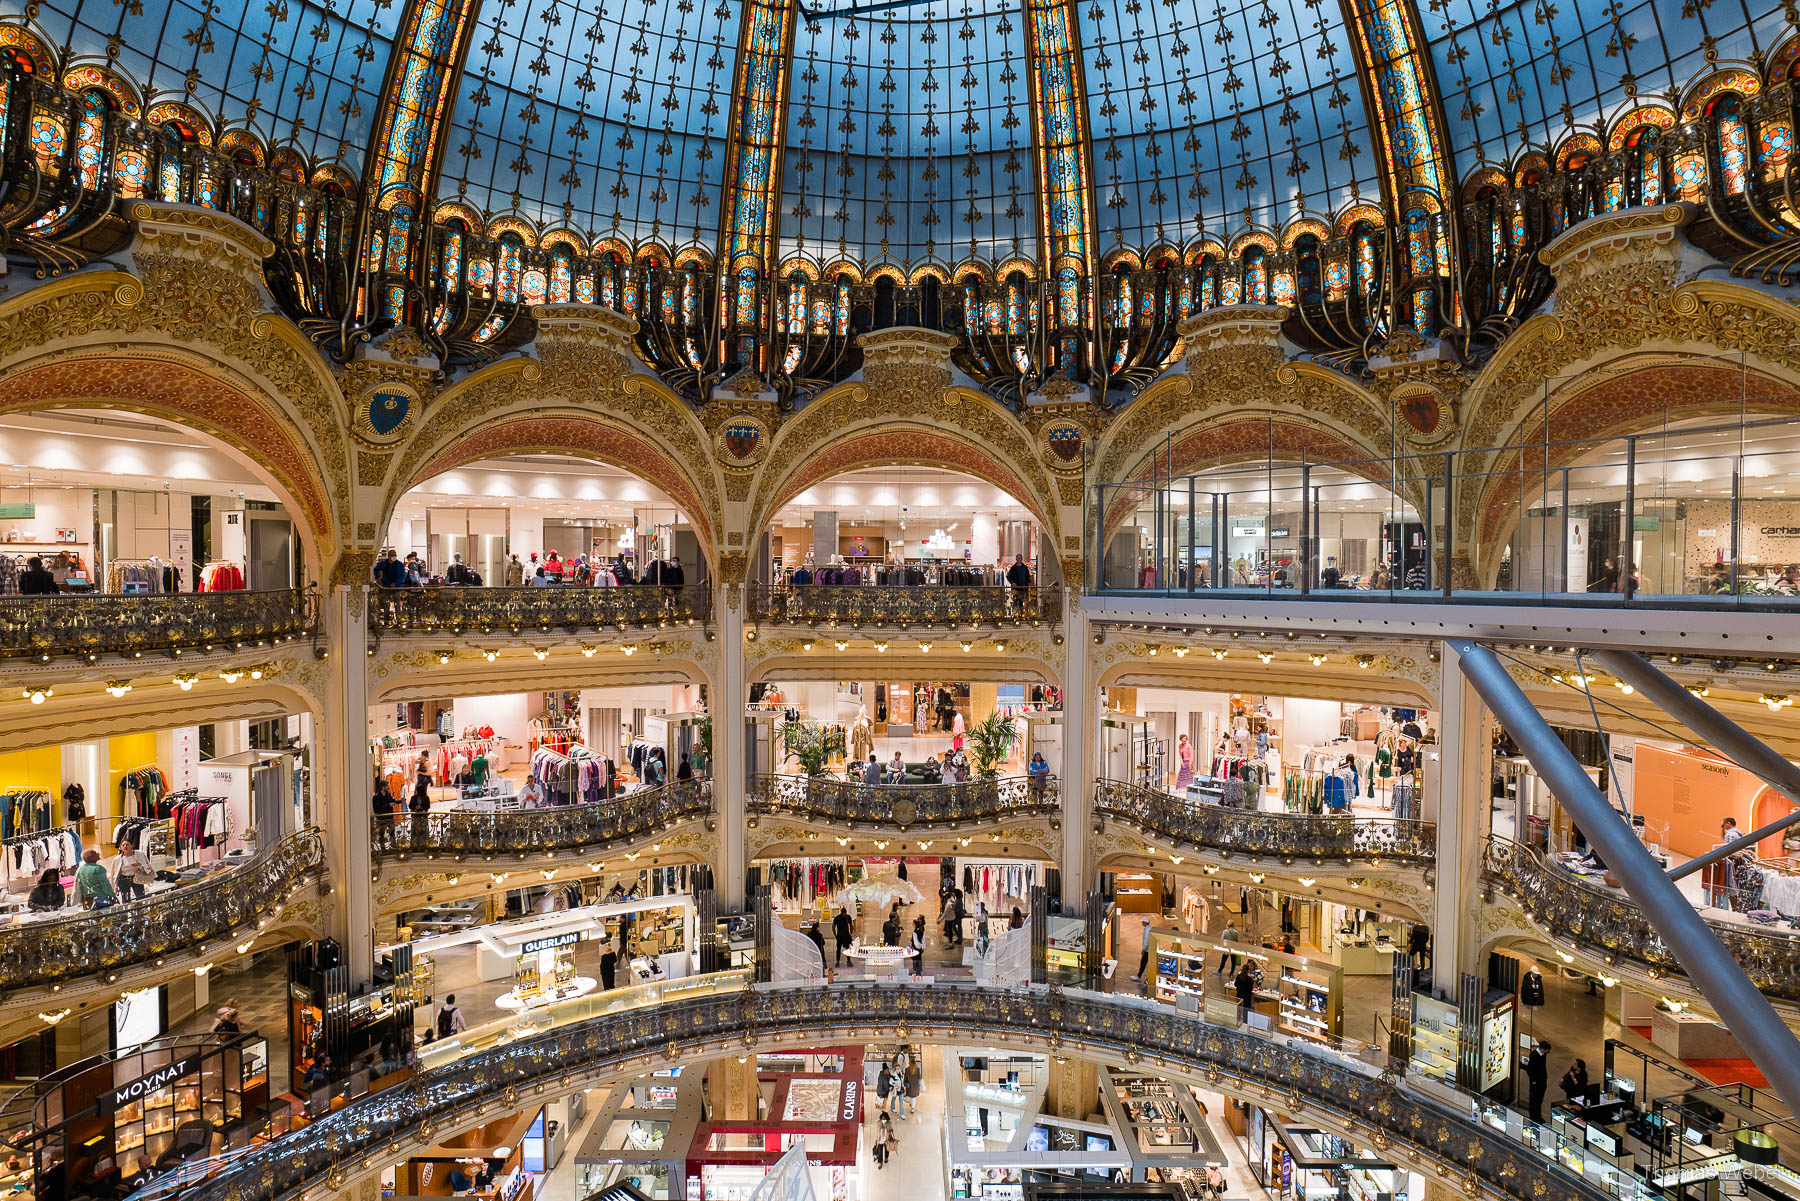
(862, 736)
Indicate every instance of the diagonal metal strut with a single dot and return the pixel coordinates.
(1719, 976)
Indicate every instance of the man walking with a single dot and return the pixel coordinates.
(840, 929)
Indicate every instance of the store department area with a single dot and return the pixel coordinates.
(162, 809)
(131, 505)
(536, 749)
(1274, 754)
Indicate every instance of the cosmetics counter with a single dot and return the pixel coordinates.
(1001, 1140)
(641, 1137)
(1297, 995)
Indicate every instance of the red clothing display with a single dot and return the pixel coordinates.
(223, 577)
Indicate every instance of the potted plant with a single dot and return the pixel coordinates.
(703, 752)
(990, 741)
(814, 745)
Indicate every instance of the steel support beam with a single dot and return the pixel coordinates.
(1719, 977)
(1737, 743)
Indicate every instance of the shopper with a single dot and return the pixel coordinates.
(1245, 986)
(92, 884)
(884, 1131)
(932, 772)
(450, 1018)
(890, 932)
(1230, 934)
(1038, 772)
(896, 770)
(48, 896)
(1144, 951)
(1537, 1075)
(840, 930)
(897, 1089)
(130, 869)
(226, 1024)
(1019, 576)
(609, 967)
(35, 581)
(1418, 945)
(685, 771)
(1018, 919)
(389, 571)
(818, 940)
(1575, 1080)
(515, 572)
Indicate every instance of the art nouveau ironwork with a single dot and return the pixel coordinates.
(65, 947)
(448, 610)
(1606, 923)
(107, 624)
(602, 824)
(824, 798)
(1333, 1086)
(918, 607)
(1323, 837)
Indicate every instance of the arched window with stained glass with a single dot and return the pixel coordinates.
(793, 321)
(1308, 271)
(15, 100)
(1018, 305)
(1366, 269)
(562, 273)
(1254, 262)
(534, 280)
(507, 269)
(449, 271)
(93, 136)
(1732, 153)
(1210, 293)
(841, 306)
(1420, 245)
(1123, 302)
(612, 281)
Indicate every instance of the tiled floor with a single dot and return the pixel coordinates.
(917, 1170)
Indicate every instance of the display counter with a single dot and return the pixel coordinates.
(641, 1137)
(1691, 1036)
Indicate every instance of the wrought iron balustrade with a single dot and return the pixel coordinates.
(110, 624)
(66, 947)
(920, 606)
(556, 828)
(445, 609)
(829, 799)
(1607, 922)
(1346, 838)
(1334, 1086)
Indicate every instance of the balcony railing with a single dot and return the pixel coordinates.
(84, 943)
(1689, 516)
(1607, 922)
(479, 610)
(922, 606)
(109, 624)
(463, 832)
(905, 805)
(1338, 1087)
(1327, 837)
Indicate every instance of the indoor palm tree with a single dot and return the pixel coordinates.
(990, 741)
(814, 745)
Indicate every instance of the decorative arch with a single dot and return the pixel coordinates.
(569, 431)
(1635, 398)
(891, 444)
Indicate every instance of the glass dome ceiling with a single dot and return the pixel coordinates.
(924, 131)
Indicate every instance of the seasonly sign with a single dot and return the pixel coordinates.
(148, 1083)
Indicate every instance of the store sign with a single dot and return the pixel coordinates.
(1246, 531)
(553, 942)
(146, 1084)
(1781, 531)
(1280, 533)
(850, 1100)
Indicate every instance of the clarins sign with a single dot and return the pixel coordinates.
(148, 1083)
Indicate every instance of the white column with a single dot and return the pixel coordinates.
(341, 797)
(984, 539)
(89, 764)
(730, 765)
(1079, 731)
(1457, 785)
(230, 737)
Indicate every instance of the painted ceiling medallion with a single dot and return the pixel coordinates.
(743, 441)
(1064, 441)
(386, 413)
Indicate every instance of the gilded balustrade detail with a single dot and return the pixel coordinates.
(826, 798)
(109, 624)
(621, 819)
(922, 606)
(1335, 1086)
(462, 610)
(1331, 837)
(56, 950)
(1606, 922)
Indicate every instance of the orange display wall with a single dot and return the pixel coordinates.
(1691, 793)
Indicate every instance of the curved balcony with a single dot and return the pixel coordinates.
(1337, 1088)
(60, 949)
(848, 802)
(45, 627)
(442, 609)
(491, 832)
(1323, 837)
(911, 607)
(1609, 924)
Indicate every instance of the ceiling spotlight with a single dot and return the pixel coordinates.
(490, 655)
(967, 647)
(924, 648)
(119, 687)
(38, 696)
(629, 649)
(1181, 652)
(1000, 646)
(231, 675)
(1622, 686)
(842, 646)
(588, 652)
(1316, 658)
(1306, 881)
(541, 652)
(1699, 690)
(807, 645)
(880, 647)
(444, 656)
(1220, 653)
(1152, 651)
(1774, 702)
(187, 682)
(750, 635)
(1265, 656)
(258, 671)
(1365, 661)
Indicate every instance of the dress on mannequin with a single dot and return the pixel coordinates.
(862, 737)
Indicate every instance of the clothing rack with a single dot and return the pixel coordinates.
(221, 575)
(157, 574)
(141, 789)
(25, 856)
(25, 811)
